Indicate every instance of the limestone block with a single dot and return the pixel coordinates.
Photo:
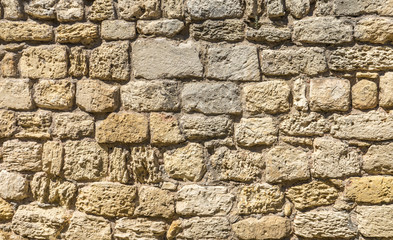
(118, 30)
(165, 129)
(118, 165)
(13, 186)
(231, 30)
(379, 159)
(22, 156)
(6, 210)
(269, 227)
(369, 189)
(52, 157)
(70, 10)
(163, 27)
(260, 198)
(364, 95)
(41, 9)
(275, 8)
(145, 165)
(256, 131)
(154, 202)
(329, 94)
(12, 9)
(9, 65)
(199, 127)
(139, 9)
(18, 31)
(7, 123)
(139, 228)
(300, 101)
(386, 90)
(172, 8)
(269, 34)
(78, 62)
(213, 9)
(74, 125)
(204, 228)
(358, 7)
(374, 221)
(298, 8)
(101, 10)
(16, 94)
(34, 125)
(54, 94)
(83, 226)
(84, 33)
(374, 30)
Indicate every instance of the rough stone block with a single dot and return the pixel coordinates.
(12, 9)
(275, 8)
(16, 94)
(154, 202)
(369, 189)
(379, 159)
(139, 228)
(54, 94)
(365, 95)
(231, 30)
(7, 123)
(70, 10)
(84, 33)
(78, 62)
(34, 125)
(204, 228)
(163, 27)
(22, 156)
(41, 9)
(374, 30)
(52, 157)
(6, 210)
(13, 186)
(386, 90)
(18, 31)
(213, 9)
(172, 8)
(298, 8)
(374, 221)
(260, 198)
(118, 30)
(164, 129)
(9, 65)
(305, 124)
(256, 131)
(145, 164)
(139, 9)
(74, 125)
(199, 127)
(83, 226)
(101, 10)
(269, 34)
(269, 227)
(119, 159)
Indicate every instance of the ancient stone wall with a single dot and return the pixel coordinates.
(196, 119)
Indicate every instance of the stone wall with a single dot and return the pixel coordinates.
(196, 119)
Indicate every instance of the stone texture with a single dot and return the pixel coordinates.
(6, 210)
(386, 90)
(299, 91)
(334, 158)
(12, 9)
(374, 30)
(251, 132)
(9, 64)
(110, 61)
(149, 96)
(269, 227)
(145, 164)
(369, 189)
(233, 63)
(298, 8)
(139, 9)
(78, 62)
(22, 156)
(139, 228)
(119, 165)
(211, 98)
(41, 9)
(160, 59)
(186, 163)
(329, 94)
(7, 123)
(15, 94)
(269, 34)
(200, 127)
(374, 221)
(107, 199)
(34, 125)
(285, 163)
(260, 198)
(101, 10)
(52, 157)
(70, 10)
(311, 195)
(44, 62)
(231, 30)
(164, 27)
(84, 33)
(204, 228)
(364, 95)
(269, 97)
(18, 31)
(324, 224)
(292, 61)
(131, 128)
(118, 30)
(378, 159)
(54, 94)
(154, 202)
(13, 186)
(172, 9)
(165, 129)
(83, 226)
(237, 165)
(84, 161)
(213, 9)
(73, 125)
(275, 8)
(96, 96)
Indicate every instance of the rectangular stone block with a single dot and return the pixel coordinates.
(70, 10)
(275, 8)
(155, 202)
(16, 94)
(369, 189)
(22, 156)
(251, 132)
(165, 129)
(74, 125)
(101, 10)
(41, 9)
(34, 125)
(213, 9)
(9, 65)
(54, 94)
(204, 228)
(379, 159)
(139, 228)
(386, 90)
(163, 27)
(231, 30)
(13, 9)
(260, 198)
(268, 227)
(329, 94)
(374, 30)
(139, 9)
(14, 186)
(84, 33)
(7, 123)
(199, 126)
(173, 8)
(118, 30)
(303, 124)
(83, 226)
(375, 221)
(78, 62)
(19, 31)
(269, 34)
(52, 157)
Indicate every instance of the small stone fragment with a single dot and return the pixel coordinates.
(164, 129)
(374, 30)
(231, 30)
(275, 8)
(139, 9)
(386, 90)
(52, 157)
(172, 8)
(165, 27)
(41, 9)
(16, 94)
(118, 165)
(84, 33)
(256, 131)
(74, 125)
(300, 94)
(329, 94)
(22, 156)
(199, 127)
(13, 186)
(298, 8)
(213, 9)
(118, 30)
(268, 34)
(34, 125)
(305, 124)
(139, 228)
(364, 95)
(145, 165)
(83, 226)
(154, 202)
(101, 10)
(7, 123)
(6, 210)
(374, 221)
(70, 10)
(269, 227)
(369, 189)
(12, 9)
(54, 94)
(9, 65)
(78, 62)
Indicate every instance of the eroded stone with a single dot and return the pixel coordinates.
(369, 189)
(16, 94)
(22, 156)
(260, 198)
(154, 202)
(165, 129)
(83, 226)
(17, 31)
(198, 126)
(256, 131)
(13, 186)
(73, 125)
(163, 27)
(213, 9)
(269, 227)
(231, 30)
(84, 33)
(139, 9)
(54, 94)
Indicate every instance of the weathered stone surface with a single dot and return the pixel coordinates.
(369, 189)
(253, 10)
(186, 163)
(373, 126)
(101, 10)
(84, 161)
(41, 9)
(39, 223)
(204, 228)
(73, 125)
(131, 128)
(269, 227)
(139, 9)
(145, 165)
(358, 7)
(110, 61)
(374, 221)
(22, 156)
(7, 123)
(34, 125)
(6, 210)
(213, 9)
(44, 62)
(9, 64)
(285, 163)
(13, 186)
(270, 97)
(324, 224)
(12, 9)
(334, 158)
(256, 131)
(237, 165)
(298, 8)
(154, 202)
(275, 8)
(199, 127)
(299, 92)
(118, 30)
(84, 33)
(231, 30)
(268, 34)
(78, 62)
(83, 226)
(149, 96)
(374, 29)
(15, 94)
(25, 31)
(327, 30)
(311, 195)
(329, 94)
(172, 8)
(54, 94)
(379, 159)
(107, 199)
(386, 90)
(233, 63)
(211, 98)
(70, 10)
(160, 59)
(52, 157)
(164, 27)
(361, 57)
(260, 198)
(164, 129)
(96, 96)
(139, 228)
(365, 95)
(310, 61)
(118, 165)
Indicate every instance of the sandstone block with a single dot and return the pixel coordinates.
(22, 156)
(374, 221)
(163, 27)
(7, 123)
(329, 94)
(369, 189)
(107, 199)
(205, 228)
(269, 227)
(139, 9)
(118, 30)
(298, 8)
(211, 98)
(154, 202)
(275, 8)
(374, 30)
(131, 128)
(231, 30)
(172, 8)
(84, 33)
(83, 226)
(199, 127)
(6, 210)
(304, 124)
(364, 95)
(34, 125)
(149, 96)
(260, 198)
(78, 62)
(52, 157)
(379, 159)
(41, 9)
(145, 165)
(9, 65)
(44, 62)
(268, 34)
(139, 228)
(186, 163)
(164, 129)
(110, 61)
(12, 9)
(358, 7)
(15, 94)
(17, 31)
(101, 10)
(73, 125)
(13, 186)
(84, 161)
(310, 61)
(270, 97)
(386, 90)
(213, 9)
(54, 94)
(70, 10)
(256, 131)
(96, 96)
(119, 165)
(160, 59)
